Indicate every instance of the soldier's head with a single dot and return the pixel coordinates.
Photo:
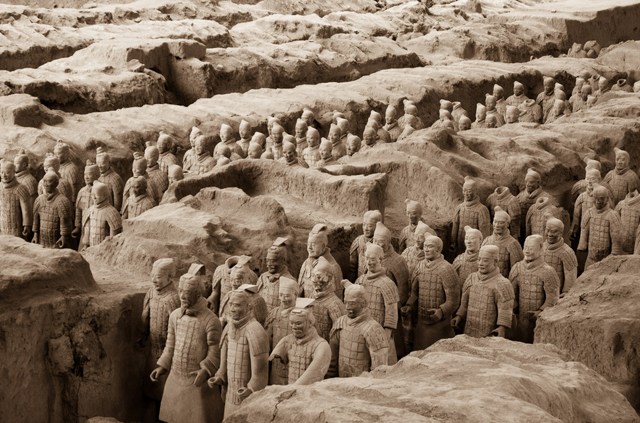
(254, 151)
(353, 144)
(355, 300)
(308, 116)
(432, 247)
(490, 102)
(151, 154)
(222, 150)
(585, 91)
(418, 235)
(301, 128)
(318, 241)
(532, 247)
(139, 186)
(260, 139)
(335, 134)
(21, 161)
(472, 239)
(8, 172)
(464, 123)
(103, 160)
(549, 85)
(512, 114)
(50, 181)
(600, 197)
(244, 130)
(272, 120)
(195, 132)
(532, 180)
(369, 136)
(301, 318)
(91, 173)
(325, 149)
(603, 83)
(201, 145)
(164, 142)
(498, 92)
(488, 259)
(51, 161)
(162, 272)
(413, 210)
(139, 165)
(287, 292)
(175, 173)
(391, 115)
(240, 274)
(99, 192)
(481, 112)
(226, 132)
(622, 159)
(491, 121)
(277, 133)
(373, 255)
(62, 151)
(501, 221)
(592, 177)
(554, 230)
(322, 276)
(313, 137)
(190, 290)
(289, 151)
(369, 221)
(276, 256)
(518, 88)
(469, 189)
(382, 236)
(240, 304)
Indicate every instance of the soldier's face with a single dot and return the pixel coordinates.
(160, 279)
(486, 262)
(315, 247)
(8, 173)
(622, 162)
(320, 280)
(468, 194)
(273, 263)
(238, 307)
(103, 164)
(500, 225)
(289, 154)
(531, 184)
(431, 250)
(49, 184)
(600, 201)
(163, 145)
(368, 227)
(532, 250)
(592, 179)
(354, 306)
(419, 240)
(287, 297)
(138, 188)
(188, 296)
(199, 147)
(236, 280)
(89, 177)
(414, 215)
(471, 243)
(325, 151)
(553, 234)
(334, 137)
(299, 325)
(61, 153)
(301, 131)
(313, 140)
(381, 241)
(20, 164)
(99, 196)
(374, 262)
(244, 131)
(518, 90)
(276, 136)
(352, 148)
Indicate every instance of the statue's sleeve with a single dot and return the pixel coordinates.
(224, 343)
(115, 222)
(334, 343)
(259, 354)
(514, 277)
(167, 354)
(211, 362)
(216, 286)
(402, 280)
(118, 189)
(505, 298)
(281, 350)
(146, 312)
(65, 213)
(36, 216)
(455, 227)
(464, 301)
(528, 220)
(584, 233)
(484, 221)
(570, 269)
(378, 345)
(551, 288)
(415, 285)
(515, 253)
(25, 205)
(617, 233)
(317, 369)
(577, 214)
(451, 285)
(353, 260)
(390, 295)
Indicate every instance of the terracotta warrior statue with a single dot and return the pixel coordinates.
(601, 229)
(227, 138)
(326, 156)
(318, 246)
(102, 219)
(277, 327)
(509, 250)
(528, 196)
(369, 138)
(289, 154)
(530, 111)
(435, 295)
(166, 157)
(221, 281)
(395, 266)
(492, 121)
(511, 114)
(269, 282)
(413, 210)
(537, 215)
(536, 287)
(138, 201)
(51, 162)
(629, 210)
(244, 352)
(502, 197)
(189, 158)
(110, 178)
(518, 96)
(69, 171)
(338, 146)
(84, 201)
(155, 172)
(15, 204)
(358, 342)
(52, 215)
(245, 138)
(486, 307)
(301, 136)
(191, 356)
(559, 255)
(175, 174)
(621, 179)
(481, 116)
(464, 123)
(274, 141)
(311, 154)
(24, 176)
(467, 262)
(457, 112)
(410, 117)
(547, 97)
(375, 121)
(139, 169)
(580, 186)
(159, 302)
(241, 275)
(585, 201)
(327, 306)
(353, 144)
(391, 123)
(203, 161)
(414, 254)
(306, 354)
(501, 102)
(491, 109)
(470, 213)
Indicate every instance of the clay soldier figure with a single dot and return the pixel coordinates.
(492, 121)
(277, 327)
(414, 213)
(245, 138)
(358, 342)
(391, 123)
(102, 219)
(326, 156)
(301, 136)
(537, 215)
(481, 116)
(52, 215)
(255, 151)
(275, 141)
(395, 266)
(158, 304)
(530, 112)
(318, 246)
(528, 196)
(547, 97)
(240, 275)
(221, 281)
(166, 157)
(309, 118)
(464, 124)
(580, 186)
(203, 161)
(629, 210)
(139, 169)
(69, 171)
(467, 262)
(138, 201)
(580, 99)
(327, 306)
(435, 287)
(410, 117)
(343, 124)
(311, 154)
(269, 282)
(260, 139)
(338, 147)
(222, 155)
(375, 121)
(83, 202)
(601, 229)
(458, 112)
(369, 138)
(353, 144)
(557, 111)
(502, 197)
(585, 201)
(414, 254)
(306, 354)
(501, 103)
(511, 114)
(175, 174)
(603, 87)
(621, 179)
(244, 353)
(15, 204)
(191, 356)
(518, 96)
(189, 157)
(487, 299)
(559, 255)
(227, 138)
(536, 287)
(356, 252)
(52, 162)
(490, 103)
(289, 154)
(156, 174)
(110, 178)
(470, 213)
(509, 250)
(24, 176)
(445, 121)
